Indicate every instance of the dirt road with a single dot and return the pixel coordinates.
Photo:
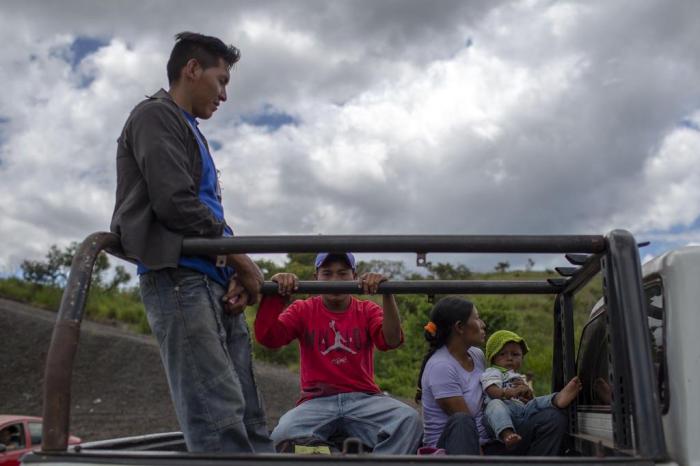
(119, 387)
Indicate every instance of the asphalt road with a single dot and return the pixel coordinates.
(119, 387)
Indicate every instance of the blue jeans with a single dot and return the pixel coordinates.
(382, 423)
(207, 358)
(460, 436)
(543, 435)
(504, 414)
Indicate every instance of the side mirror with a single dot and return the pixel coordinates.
(3, 448)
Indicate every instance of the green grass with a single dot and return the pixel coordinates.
(103, 306)
(396, 371)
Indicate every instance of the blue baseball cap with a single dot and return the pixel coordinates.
(321, 258)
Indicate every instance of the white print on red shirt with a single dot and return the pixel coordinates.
(339, 342)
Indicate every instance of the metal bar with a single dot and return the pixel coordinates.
(577, 259)
(619, 376)
(569, 349)
(566, 271)
(558, 348)
(585, 274)
(626, 304)
(64, 342)
(569, 356)
(396, 243)
(427, 287)
(121, 456)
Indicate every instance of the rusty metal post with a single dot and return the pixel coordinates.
(64, 341)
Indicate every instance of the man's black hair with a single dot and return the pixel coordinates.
(207, 50)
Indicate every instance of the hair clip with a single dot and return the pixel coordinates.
(431, 328)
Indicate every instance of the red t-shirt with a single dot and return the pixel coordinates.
(336, 348)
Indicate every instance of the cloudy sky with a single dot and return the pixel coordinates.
(386, 116)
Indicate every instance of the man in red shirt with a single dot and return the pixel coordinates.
(337, 334)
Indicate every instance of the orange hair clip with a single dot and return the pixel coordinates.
(431, 328)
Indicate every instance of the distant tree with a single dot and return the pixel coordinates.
(268, 267)
(121, 277)
(54, 270)
(37, 272)
(101, 266)
(392, 269)
(301, 264)
(530, 264)
(446, 271)
(502, 267)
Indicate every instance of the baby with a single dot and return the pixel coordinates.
(508, 397)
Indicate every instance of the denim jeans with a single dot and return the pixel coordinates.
(543, 435)
(460, 436)
(207, 358)
(384, 424)
(505, 414)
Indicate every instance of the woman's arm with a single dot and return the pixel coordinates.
(453, 404)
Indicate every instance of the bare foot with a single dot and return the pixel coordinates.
(510, 438)
(568, 393)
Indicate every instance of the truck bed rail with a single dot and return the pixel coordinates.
(590, 251)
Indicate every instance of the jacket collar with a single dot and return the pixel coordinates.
(162, 94)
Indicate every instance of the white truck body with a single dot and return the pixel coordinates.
(679, 272)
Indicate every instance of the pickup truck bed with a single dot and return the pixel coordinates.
(635, 417)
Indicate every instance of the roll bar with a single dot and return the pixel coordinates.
(586, 251)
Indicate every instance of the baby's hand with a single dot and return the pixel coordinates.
(524, 393)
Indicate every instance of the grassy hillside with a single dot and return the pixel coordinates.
(114, 307)
(530, 316)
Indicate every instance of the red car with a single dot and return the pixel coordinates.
(20, 434)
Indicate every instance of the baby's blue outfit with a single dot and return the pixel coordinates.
(499, 414)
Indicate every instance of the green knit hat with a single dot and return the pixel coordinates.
(498, 340)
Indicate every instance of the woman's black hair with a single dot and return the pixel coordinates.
(444, 315)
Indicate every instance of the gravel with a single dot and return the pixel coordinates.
(119, 387)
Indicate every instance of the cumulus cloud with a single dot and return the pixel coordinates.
(381, 117)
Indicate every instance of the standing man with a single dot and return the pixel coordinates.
(168, 189)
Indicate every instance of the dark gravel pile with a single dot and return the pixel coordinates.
(119, 387)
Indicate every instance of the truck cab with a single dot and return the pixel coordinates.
(671, 295)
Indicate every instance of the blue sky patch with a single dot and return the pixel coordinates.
(666, 242)
(270, 118)
(85, 80)
(684, 229)
(83, 46)
(690, 124)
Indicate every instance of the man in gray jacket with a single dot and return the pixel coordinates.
(168, 189)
